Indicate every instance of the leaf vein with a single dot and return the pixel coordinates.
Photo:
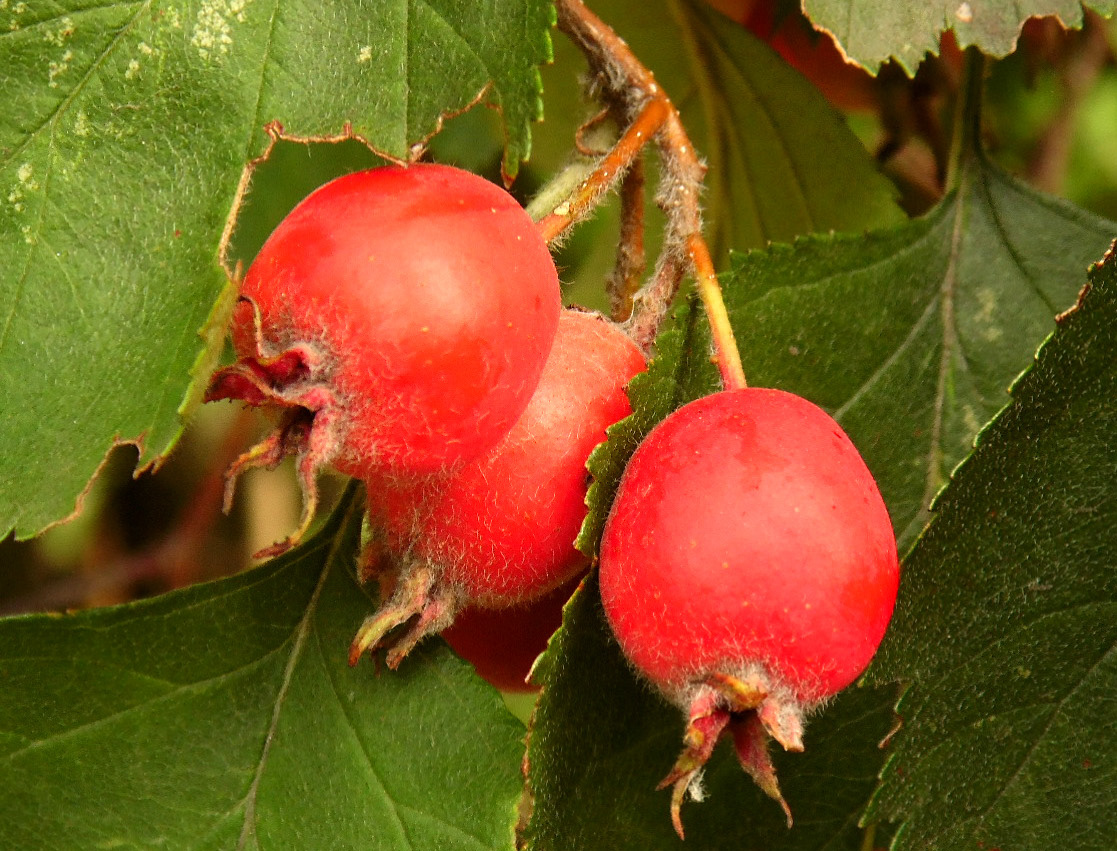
(300, 636)
(1014, 255)
(392, 806)
(176, 692)
(64, 104)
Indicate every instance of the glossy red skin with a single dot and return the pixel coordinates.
(503, 644)
(748, 530)
(502, 527)
(432, 300)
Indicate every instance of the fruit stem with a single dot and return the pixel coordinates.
(725, 344)
(629, 90)
(612, 167)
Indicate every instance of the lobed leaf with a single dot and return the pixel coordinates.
(124, 130)
(226, 716)
(1006, 627)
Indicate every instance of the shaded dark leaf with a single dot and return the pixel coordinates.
(1006, 626)
(226, 716)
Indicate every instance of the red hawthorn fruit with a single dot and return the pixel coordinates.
(503, 644)
(749, 570)
(499, 531)
(399, 318)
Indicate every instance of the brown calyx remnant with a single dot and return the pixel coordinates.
(290, 382)
(750, 710)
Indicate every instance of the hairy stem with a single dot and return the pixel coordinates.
(625, 280)
(612, 167)
(560, 187)
(629, 89)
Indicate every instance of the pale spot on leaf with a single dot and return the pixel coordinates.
(987, 311)
(57, 69)
(213, 28)
(60, 34)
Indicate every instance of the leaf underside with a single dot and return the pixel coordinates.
(870, 33)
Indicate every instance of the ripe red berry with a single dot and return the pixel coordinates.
(400, 317)
(748, 569)
(499, 531)
(503, 644)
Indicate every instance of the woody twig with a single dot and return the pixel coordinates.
(629, 91)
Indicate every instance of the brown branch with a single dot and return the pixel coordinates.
(583, 146)
(630, 90)
(1050, 162)
(173, 561)
(649, 305)
(631, 261)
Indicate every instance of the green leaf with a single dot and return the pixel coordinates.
(226, 716)
(871, 33)
(124, 130)
(782, 161)
(601, 741)
(668, 383)
(910, 337)
(1006, 626)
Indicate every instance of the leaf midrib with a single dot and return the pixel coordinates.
(302, 631)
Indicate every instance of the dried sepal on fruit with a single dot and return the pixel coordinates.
(749, 570)
(398, 319)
